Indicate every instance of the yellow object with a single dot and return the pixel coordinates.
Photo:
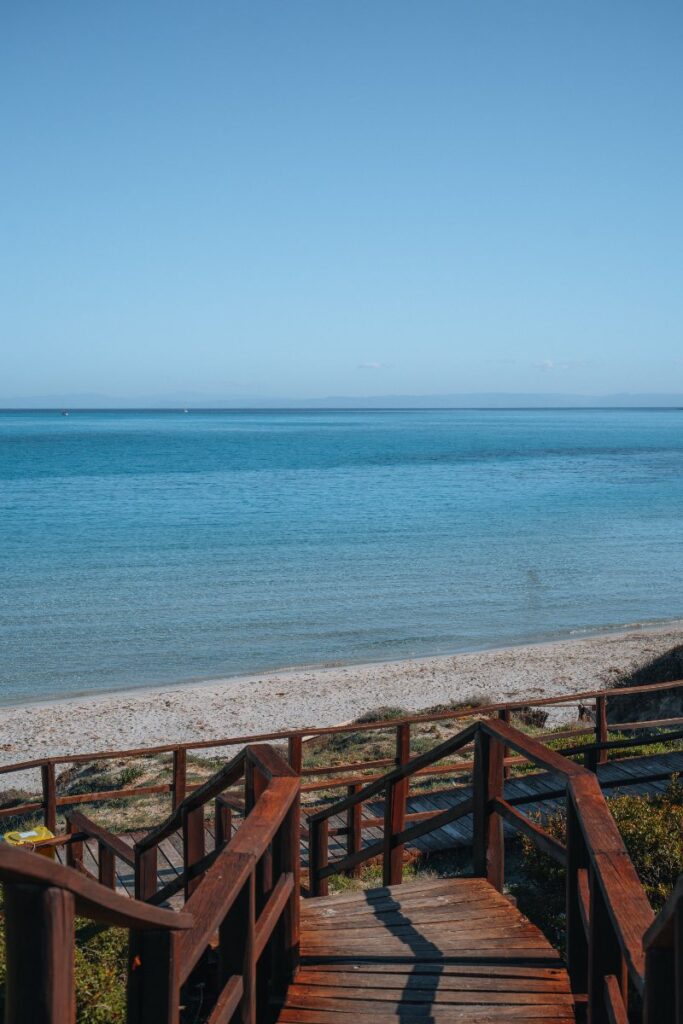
(32, 838)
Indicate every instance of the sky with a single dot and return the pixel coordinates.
(337, 197)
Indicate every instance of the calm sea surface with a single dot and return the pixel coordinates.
(138, 548)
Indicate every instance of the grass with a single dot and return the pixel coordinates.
(100, 971)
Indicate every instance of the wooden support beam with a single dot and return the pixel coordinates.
(223, 821)
(318, 853)
(601, 735)
(153, 978)
(39, 928)
(106, 866)
(193, 845)
(49, 795)
(605, 956)
(295, 753)
(488, 847)
(179, 784)
(395, 811)
(354, 816)
(576, 930)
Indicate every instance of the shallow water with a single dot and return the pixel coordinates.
(138, 548)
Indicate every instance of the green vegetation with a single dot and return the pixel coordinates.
(100, 968)
(651, 828)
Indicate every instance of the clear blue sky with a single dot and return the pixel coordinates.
(338, 197)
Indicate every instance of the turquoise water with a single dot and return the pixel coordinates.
(138, 548)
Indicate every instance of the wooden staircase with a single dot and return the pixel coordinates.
(451, 950)
(429, 950)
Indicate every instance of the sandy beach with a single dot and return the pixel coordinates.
(325, 696)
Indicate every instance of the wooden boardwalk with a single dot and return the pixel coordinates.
(635, 775)
(452, 950)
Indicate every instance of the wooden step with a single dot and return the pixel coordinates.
(442, 950)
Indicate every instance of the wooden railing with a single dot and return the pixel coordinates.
(664, 962)
(248, 897)
(350, 774)
(608, 913)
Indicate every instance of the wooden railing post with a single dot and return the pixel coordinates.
(106, 866)
(577, 943)
(489, 849)
(179, 783)
(47, 772)
(236, 949)
(153, 978)
(295, 753)
(193, 844)
(353, 828)
(604, 956)
(223, 822)
(264, 869)
(318, 846)
(601, 732)
(504, 716)
(74, 850)
(664, 985)
(145, 873)
(288, 860)
(249, 794)
(39, 928)
(395, 812)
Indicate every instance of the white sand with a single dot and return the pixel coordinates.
(322, 696)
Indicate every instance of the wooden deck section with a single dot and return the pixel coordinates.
(637, 776)
(435, 950)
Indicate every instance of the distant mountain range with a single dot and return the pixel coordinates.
(480, 400)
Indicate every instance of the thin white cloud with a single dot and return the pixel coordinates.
(547, 365)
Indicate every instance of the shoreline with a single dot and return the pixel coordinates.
(324, 696)
(259, 675)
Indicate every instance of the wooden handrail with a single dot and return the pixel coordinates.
(93, 900)
(223, 778)
(414, 765)
(78, 822)
(232, 867)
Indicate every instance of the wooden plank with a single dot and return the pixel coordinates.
(614, 1002)
(440, 1015)
(474, 968)
(459, 979)
(425, 1011)
(270, 915)
(316, 995)
(228, 1001)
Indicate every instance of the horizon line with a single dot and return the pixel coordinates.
(339, 408)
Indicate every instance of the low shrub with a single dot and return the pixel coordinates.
(651, 827)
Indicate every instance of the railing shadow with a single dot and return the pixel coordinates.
(421, 985)
(420, 947)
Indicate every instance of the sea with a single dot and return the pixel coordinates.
(141, 548)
